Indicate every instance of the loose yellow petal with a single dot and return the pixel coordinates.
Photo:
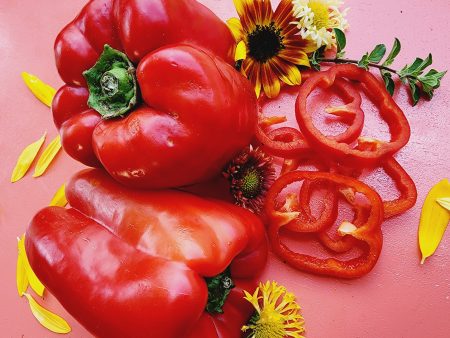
(48, 319)
(26, 158)
(35, 283)
(41, 90)
(59, 199)
(21, 272)
(444, 202)
(434, 219)
(235, 26)
(47, 156)
(241, 51)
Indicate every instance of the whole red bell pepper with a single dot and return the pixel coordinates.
(164, 264)
(162, 93)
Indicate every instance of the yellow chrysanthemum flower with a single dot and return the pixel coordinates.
(277, 314)
(317, 18)
(268, 44)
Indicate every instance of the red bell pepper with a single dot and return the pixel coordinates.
(185, 103)
(368, 232)
(342, 152)
(137, 27)
(198, 112)
(126, 263)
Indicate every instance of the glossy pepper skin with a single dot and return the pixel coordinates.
(127, 263)
(137, 27)
(194, 111)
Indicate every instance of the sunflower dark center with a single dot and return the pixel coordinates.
(265, 42)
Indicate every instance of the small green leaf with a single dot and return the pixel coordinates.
(417, 67)
(314, 58)
(364, 62)
(377, 54)
(415, 93)
(393, 53)
(341, 40)
(388, 82)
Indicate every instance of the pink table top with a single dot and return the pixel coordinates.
(399, 298)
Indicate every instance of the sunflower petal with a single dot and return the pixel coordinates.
(59, 199)
(47, 319)
(35, 283)
(41, 90)
(47, 156)
(284, 14)
(270, 82)
(288, 73)
(240, 6)
(253, 69)
(26, 158)
(241, 51)
(235, 26)
(21, 272)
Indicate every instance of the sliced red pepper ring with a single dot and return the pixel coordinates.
(369, 232)
(289, 142)
(403, 182)
(338, 150)
(345, 243)
(295, 213)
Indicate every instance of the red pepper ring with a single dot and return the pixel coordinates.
(345, 243)
(369, 232)
(285, 142)
(375, 90)
(403, 182)
(289, 142)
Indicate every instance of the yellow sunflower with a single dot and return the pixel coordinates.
(269, 45)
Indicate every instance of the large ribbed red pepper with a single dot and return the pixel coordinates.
(168, 109)
(135, 264)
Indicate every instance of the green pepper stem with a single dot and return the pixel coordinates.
(112, 84)
(219, 287)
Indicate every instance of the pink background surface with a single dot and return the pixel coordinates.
(399, 298)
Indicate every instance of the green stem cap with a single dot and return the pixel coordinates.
(219, 287)
(112, 84)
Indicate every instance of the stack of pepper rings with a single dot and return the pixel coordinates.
(340, 163)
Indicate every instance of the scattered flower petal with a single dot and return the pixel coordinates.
(21, 272)
(59, 199)
(35, 283)
(434, 219)
(41, 90)
(47, 319)
(47, 156)
(444, 202)
(26, 158)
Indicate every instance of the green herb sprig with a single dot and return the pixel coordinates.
(421, 84)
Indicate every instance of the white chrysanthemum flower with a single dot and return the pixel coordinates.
(317, 18)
